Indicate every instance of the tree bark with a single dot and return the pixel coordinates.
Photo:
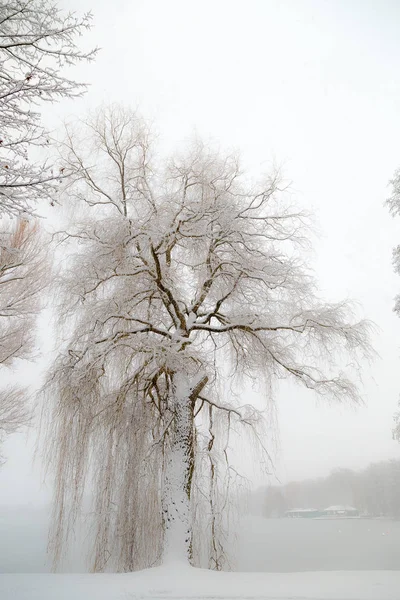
(178, 472)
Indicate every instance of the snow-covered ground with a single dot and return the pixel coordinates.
(183, 583)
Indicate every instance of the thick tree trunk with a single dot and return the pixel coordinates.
(178, 472)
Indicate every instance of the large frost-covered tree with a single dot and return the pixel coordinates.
(37, 47)
(184, 278)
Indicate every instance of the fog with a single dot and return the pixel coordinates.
(313, 87)
(260, 544)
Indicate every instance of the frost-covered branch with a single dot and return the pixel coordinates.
(37, 46)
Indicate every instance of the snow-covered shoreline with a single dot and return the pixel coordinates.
(183, 582)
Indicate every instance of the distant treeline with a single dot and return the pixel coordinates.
(374, 491)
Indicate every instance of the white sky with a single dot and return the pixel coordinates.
(313, 85)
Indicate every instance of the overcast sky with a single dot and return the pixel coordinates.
(313, 85)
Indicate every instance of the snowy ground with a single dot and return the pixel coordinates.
(194, 584)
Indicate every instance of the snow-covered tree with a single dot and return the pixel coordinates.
(22, 278)
(184, 278)
(37, 47)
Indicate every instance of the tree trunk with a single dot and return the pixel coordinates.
(178, 472)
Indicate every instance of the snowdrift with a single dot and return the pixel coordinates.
(181, 583)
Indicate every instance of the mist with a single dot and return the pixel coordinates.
(199, 340)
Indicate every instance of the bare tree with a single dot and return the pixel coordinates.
(37, 44)
(22, 278)
(14, 413)
(374, 491)
(187, 278)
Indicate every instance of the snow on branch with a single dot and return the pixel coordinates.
(37, 44)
